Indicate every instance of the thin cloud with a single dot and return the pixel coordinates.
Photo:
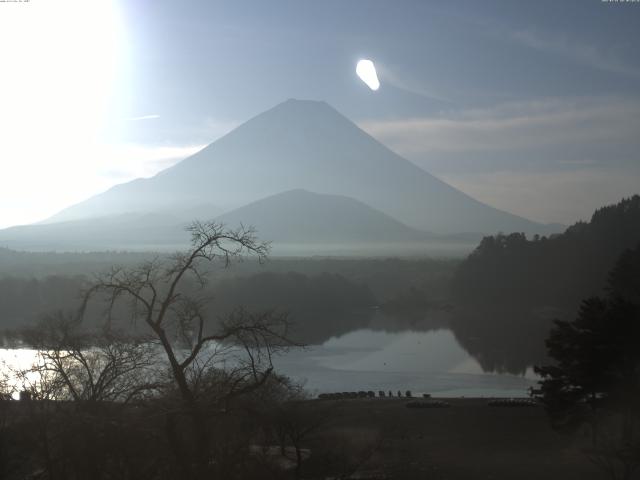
(581, 53)
(409, 84)
(552, 196)
(512, 126)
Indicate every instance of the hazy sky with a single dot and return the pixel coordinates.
(530, 106)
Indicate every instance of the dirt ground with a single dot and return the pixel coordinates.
(468, 440)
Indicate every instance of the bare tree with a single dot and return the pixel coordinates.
(88, 366)
(209, 362)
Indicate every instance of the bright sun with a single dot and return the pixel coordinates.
(59, 62)
(366, 70)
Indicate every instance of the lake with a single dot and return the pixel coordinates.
(421, 361)
(365, 359)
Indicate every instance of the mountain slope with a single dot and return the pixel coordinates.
(308, 145)
(296, 216)
(137, 231)
(302, 216)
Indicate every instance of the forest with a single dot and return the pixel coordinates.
(325, 296)
(511, 288)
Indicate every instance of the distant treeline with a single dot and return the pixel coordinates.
(325, 296)
(386, 277)
(296, 292)
(320, 306)
(321, 303)
(41, 264)
(511, 288)
(23, 301)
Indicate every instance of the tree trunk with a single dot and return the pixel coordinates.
(200, 435)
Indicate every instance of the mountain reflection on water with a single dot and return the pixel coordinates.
(390, 353)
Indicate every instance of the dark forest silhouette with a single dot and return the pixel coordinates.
(593, 382)
(511, 288)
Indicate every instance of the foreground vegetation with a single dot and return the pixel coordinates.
(364, 438)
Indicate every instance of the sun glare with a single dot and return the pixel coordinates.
(59, 60)
(366, 70)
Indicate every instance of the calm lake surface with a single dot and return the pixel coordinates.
(365, 359)
(423, 362)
